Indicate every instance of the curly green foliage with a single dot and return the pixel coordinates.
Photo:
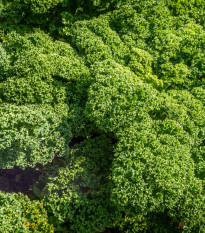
(193, 8)
(30, 135)
(33, 90)
(98, 40)
(89, 44)
(157, 169)
(140, 62)
(40, 69)
(101, 27)
(20, 214)
(199, 93)
(199, 149)
(47, 72)
(190, 209)
(153, 169)
(173, 48)
(77, 98)
(40, 6)
(175, 129)
(85, 6)
(33, 6)
(178, 56)
(11, 219)
(80, 124)
(34, 214)
(192, 50)
(20, 14)
(4, 62)
(38, 55)
(136, 74)
(131, 26)
(176, 44)
(78, 195)
(192, 117)
(132, 224)
(118, 97)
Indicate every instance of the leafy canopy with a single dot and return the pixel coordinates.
(113, 93)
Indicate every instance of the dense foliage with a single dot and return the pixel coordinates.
(113, 94)
(20, 214)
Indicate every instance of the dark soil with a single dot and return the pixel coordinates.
(21, 181)
(76, 140)
(18, 180)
